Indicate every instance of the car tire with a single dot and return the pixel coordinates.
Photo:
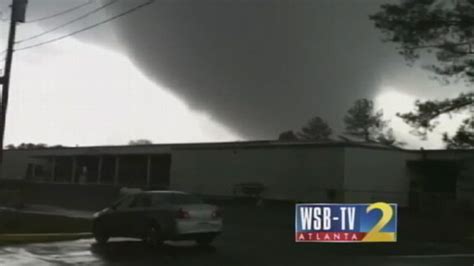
(205, 240)
(100, 235)
(153, 237)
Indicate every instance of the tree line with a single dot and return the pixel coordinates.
(29, 146)
(362, 122)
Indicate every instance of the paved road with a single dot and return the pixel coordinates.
(252, 236)
(129, 252)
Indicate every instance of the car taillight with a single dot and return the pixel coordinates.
(182, 214)
(217, 213)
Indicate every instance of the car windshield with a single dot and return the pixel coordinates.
(174, 198)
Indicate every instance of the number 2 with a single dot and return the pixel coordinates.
(374, 235)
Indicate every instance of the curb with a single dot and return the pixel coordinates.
(35, 238)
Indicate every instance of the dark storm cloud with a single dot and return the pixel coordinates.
(259, 67)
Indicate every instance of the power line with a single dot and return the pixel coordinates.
(87, 28)
(67, 23)
(61, 13)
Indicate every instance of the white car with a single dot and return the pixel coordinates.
(156, 216)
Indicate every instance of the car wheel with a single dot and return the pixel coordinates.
(153, 236)
(100, 235)
(205, 240)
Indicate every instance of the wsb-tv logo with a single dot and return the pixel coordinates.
(375, 222)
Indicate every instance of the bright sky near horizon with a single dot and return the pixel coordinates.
(76, 93)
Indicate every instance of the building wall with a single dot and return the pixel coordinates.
(465, 183)
(377, 175)
(447, 154)
(15, 164)
(290, 173)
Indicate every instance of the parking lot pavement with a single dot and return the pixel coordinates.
(128, 252)
(251, 237)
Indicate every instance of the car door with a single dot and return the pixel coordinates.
(118, 219)
(138, 215)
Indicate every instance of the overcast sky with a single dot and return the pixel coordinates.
(208, 70)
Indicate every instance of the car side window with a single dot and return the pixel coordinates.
(141, 201)
(159, 199)
(125, 203)
(146, 201)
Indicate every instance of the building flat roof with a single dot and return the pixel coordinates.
(166, 148)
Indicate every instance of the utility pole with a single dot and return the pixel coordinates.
(17, 15)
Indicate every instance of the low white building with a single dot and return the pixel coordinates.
(296, 171)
